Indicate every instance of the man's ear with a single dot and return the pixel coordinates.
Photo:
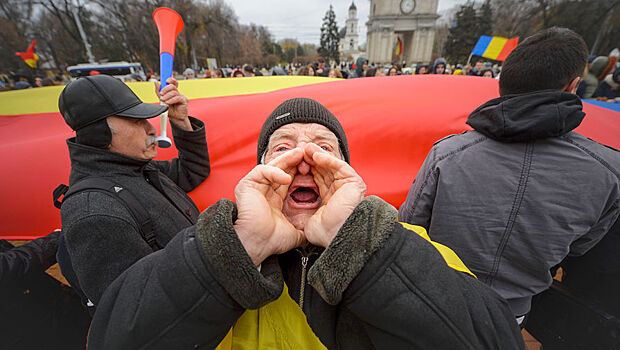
(572, 86)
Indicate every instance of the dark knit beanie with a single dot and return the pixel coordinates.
(301, 110)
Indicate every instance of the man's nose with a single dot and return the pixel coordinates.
(149, 128)
(303, 168)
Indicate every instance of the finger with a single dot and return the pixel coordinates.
(288, 160)
(173, 99)
(268, 175)
(172, 82)
(157, 93)
(339, 168)
(322, 185)
(168, 89)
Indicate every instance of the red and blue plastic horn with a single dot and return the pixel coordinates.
(169, 25)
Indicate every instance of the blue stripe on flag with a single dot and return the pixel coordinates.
(482, 45)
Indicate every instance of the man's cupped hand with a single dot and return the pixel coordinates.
(262, 227)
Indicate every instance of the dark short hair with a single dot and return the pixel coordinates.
(547, 60)
(321, 60)
(248, 68)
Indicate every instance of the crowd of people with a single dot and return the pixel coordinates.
(303, 258)
(601, 76)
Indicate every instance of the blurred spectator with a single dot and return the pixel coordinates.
(394, 70)
(421, 69)
(189, 73)
(321, 70)
(248, 70)
(590, 60)
(439, 67)
(48, 82)
(477, 70)
(237, 73)
(361, 64)
(487, 73)
(306, 70)
(132, 78)
(370, 72)
(22, 85)
(599, 69)
(335, 73)
(380, 71)
(610, 86)
(38, 312)
(38, 81)
(150, 76)
(277, 70)
(23, 80)
(218, 73)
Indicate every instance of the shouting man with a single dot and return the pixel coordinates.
(302, 260)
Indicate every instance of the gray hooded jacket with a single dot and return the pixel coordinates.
(518, 194)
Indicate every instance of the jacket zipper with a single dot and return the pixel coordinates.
(304, 265)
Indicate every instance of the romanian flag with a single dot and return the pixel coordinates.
(386, 152)
(29, 56)
(495, 47)
(399, 47)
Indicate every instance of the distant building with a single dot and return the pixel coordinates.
(413, 21)
(349, 37)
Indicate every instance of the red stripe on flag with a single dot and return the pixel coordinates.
(507, 49)
(386, 152)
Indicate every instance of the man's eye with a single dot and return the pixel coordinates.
(281, 149)
(325, 148)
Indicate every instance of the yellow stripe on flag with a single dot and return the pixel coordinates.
(45, 99)
(495, 47)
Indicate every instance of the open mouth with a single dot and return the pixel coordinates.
(304, 198)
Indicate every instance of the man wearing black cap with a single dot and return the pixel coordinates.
(115, 143)
(302, 260)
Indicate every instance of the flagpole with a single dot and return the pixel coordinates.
(91, 58)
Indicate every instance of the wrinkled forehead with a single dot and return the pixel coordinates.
(309, 132)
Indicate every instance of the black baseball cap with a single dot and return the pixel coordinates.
(88, 100)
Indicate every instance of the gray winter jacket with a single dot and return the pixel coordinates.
(518, 194)
(102, 237)
(378, 285)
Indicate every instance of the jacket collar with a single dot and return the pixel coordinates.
(529, 116)
(92, 161)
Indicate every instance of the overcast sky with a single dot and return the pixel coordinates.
(302, 19)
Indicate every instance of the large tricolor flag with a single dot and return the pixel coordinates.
(388, 140)
(495, 47)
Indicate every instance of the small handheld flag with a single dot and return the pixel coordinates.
(30, 57)
(169, 25)
(495, 47)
